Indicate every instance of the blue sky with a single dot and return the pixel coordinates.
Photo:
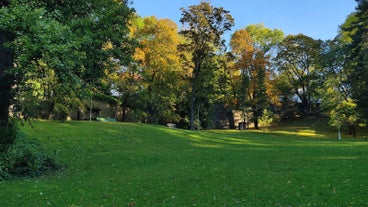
(318, 19)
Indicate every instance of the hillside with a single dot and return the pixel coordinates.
(123, 164)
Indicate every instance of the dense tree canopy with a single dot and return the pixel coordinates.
(56, 54)
(357, 28)
(204, 26)
(252, 49)
(58, 48)
(297, 58)
(53, 53)
(159, 67)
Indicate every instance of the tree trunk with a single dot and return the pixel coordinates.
(352, 130)
(193, 101)
(255, 117)
(256, 123)
(123, 112)
(6, 61)
(192, 112)
(50, 114)
(123, 109)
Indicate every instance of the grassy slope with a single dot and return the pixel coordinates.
(115, 164)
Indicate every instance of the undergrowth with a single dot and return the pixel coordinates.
(22, 156)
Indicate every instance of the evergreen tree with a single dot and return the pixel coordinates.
(358, 57)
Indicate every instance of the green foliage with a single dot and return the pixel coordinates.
(298, 60)
(343, 114)
(286, 94)
(62, 111)
(254, 66)
(336, 96)
(8, 135)
(60, 49)
(26, 158)
(204, 26)
(159, 68)
(345, 31)
(266, 119)
(265, 38)
(21, 156)
(357, 28)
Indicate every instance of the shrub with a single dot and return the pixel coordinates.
(266, 119)
(3, 173)
(26, 158)
(8, 135)
(62, 111)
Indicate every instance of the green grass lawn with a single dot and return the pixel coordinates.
(120, 164)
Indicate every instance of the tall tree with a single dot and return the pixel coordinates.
(264, 38)
(267, 40)
(63, 39)
(244, 53)
(159, 66)
(358, 56)
(252, 48)
(336, 92)
(6, 63)
(204, 26)
(251, 63)
(297, 58)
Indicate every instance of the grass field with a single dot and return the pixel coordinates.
(121, 164)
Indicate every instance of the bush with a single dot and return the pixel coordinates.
(266, 119)
(8, 135)
(62, 111)
(26, 158)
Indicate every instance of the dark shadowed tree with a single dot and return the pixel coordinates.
(335, 92)
(6, 63)
(357, 28)
(297, 59)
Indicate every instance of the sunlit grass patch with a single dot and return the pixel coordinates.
(301, 132)
(125, 164)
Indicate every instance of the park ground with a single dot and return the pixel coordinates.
(129, 164)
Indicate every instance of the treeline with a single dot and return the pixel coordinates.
(54, 56)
